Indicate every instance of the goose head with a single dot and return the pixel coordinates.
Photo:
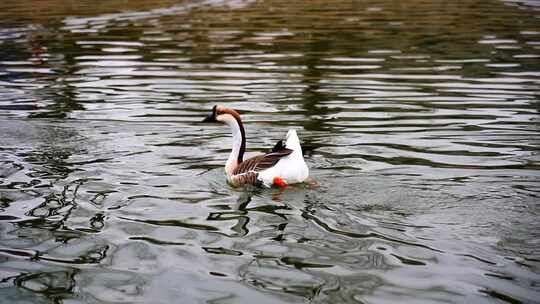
(223, 115)
(231, 118)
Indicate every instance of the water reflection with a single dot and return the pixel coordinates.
(419, 122)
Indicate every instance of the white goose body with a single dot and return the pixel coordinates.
(291, 168)
(283, 165)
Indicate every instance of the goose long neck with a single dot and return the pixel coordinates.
(238, 141)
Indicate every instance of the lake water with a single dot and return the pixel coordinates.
(419, 121)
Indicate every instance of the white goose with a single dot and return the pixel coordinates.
(282, 166)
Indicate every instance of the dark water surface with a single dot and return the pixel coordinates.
(419, 119)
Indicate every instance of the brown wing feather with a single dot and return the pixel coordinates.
(261, 162)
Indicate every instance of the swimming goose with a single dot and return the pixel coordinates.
(283, 165)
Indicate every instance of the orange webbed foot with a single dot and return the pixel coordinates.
(278, 181)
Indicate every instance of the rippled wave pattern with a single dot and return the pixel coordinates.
(419, 121)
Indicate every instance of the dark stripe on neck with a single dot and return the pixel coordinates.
(243, 144)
